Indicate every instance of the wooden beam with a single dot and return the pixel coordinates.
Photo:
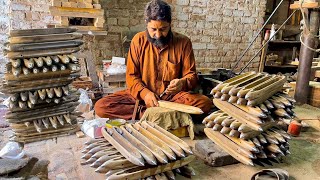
(32, 32)
(309, 5)
(76, 12)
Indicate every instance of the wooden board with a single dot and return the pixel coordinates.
(41, 53)
(45, 45)
(76, 12)
(311, 5)
(84, 28)
(31, 32)
(44, 38)
(50, 74)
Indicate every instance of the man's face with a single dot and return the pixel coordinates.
(158, 32)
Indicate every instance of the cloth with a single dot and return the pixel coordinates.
(152, 69)
(169, 119)
(121, 104)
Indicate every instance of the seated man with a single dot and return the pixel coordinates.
(159, 60)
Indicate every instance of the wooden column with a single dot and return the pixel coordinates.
(306, 58)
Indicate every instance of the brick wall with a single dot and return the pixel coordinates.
(220, 30)
(4, 29)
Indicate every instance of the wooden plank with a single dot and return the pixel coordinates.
(310, 5)
(41, 53)
(76, 12)
(56, 74)
(84, 28)
(135, 173)
(44, 38)
(45, 45)
(180, 107)
(32, 32)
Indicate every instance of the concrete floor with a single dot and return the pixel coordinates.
(64, 155)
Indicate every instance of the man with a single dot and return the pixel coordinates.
(159, 62)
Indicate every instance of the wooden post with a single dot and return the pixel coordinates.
(306, 57)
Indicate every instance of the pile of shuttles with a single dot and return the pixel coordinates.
(251, 106)
(39, 73)
(137, 151)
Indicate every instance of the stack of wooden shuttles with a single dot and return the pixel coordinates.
(140, 150)
(41, 68)
(251, 105)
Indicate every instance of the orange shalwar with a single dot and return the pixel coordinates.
(152, 69)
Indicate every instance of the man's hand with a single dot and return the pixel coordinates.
(175, 86)
(151, 100)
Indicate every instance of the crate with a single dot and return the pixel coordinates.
(83, 82)
(90, 16)
(111, 83)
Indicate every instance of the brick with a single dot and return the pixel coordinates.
(213, 18)
(40, 8)
(199, 3)
(123, 21)
(20, 7)
(66, 4)
(182, 2)
(197, 10)
(56, 3)
(199, 45)
(112, 21)
(84, 5)
(74, 4)
(18, 15)
(182, 17)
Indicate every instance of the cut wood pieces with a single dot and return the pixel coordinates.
(245, 125)
(249, 88)
(39, 96)
(180, 107)
(146, 143)
(37, 79)
(251, 151)
(107, 159)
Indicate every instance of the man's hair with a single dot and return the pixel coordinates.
(158, 10)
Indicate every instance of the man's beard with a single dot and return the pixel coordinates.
(160, 42)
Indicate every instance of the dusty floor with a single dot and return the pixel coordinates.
(64, 155)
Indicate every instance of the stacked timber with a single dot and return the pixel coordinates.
(140, 150)
(248, 131)
(249, 88)
(39, 73)
(84, 15)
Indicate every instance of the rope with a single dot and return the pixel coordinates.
(306, 28)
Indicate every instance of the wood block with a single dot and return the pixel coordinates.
(97, 6)
(99, 22)
(76, 12)
(88, 1)
(84, 5)
(74, 4)
(80, 134)
(56, 3)
(64, 21)
(66, 4)
(212, 154)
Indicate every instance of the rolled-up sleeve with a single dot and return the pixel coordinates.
(133, 75)
(189, 74)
